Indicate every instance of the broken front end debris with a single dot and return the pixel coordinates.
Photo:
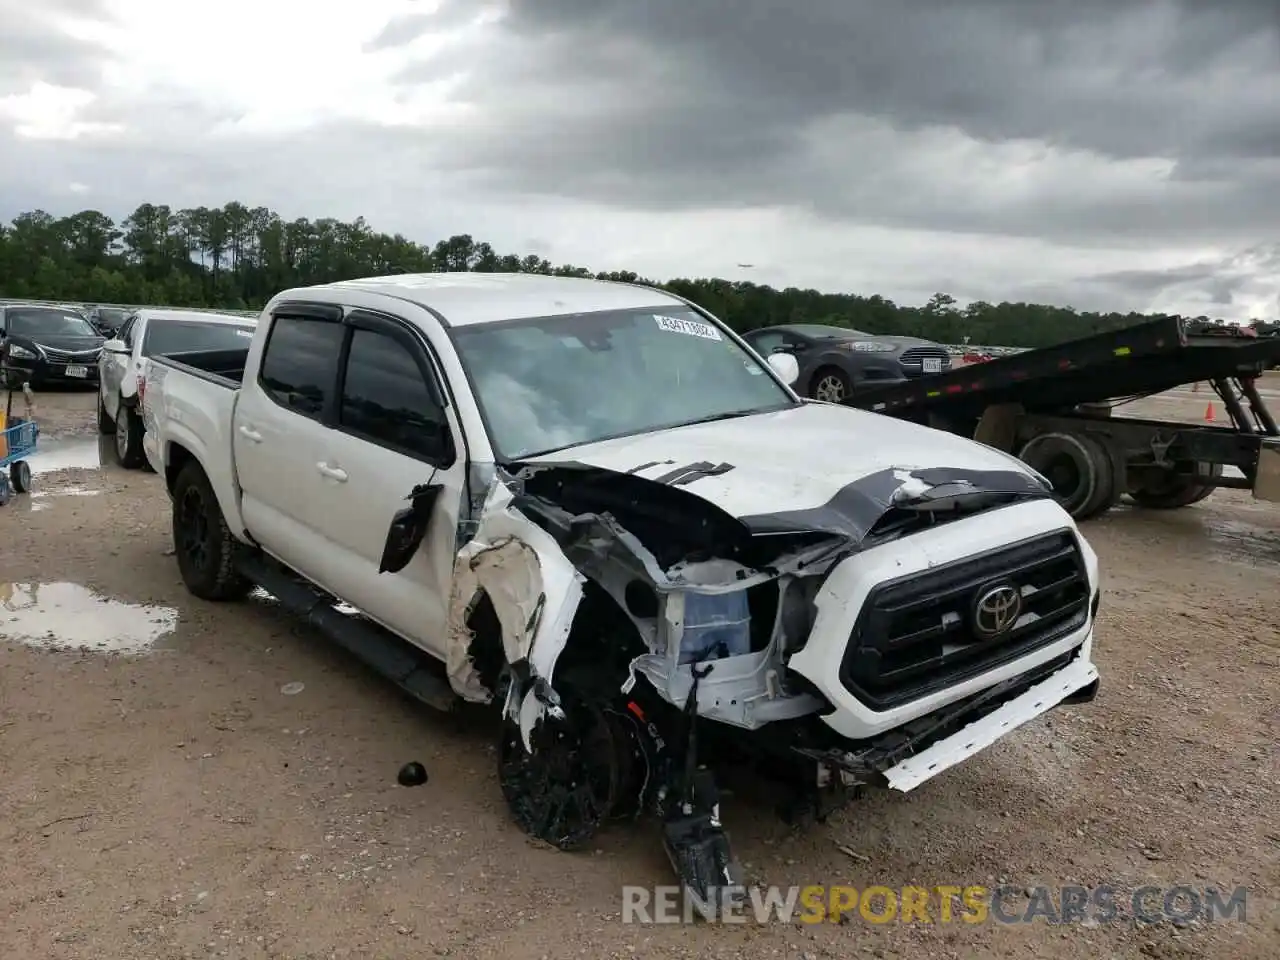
(632, 628)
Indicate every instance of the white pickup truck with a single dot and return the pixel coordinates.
(593, 504)
(122, 366)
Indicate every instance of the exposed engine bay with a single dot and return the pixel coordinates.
(619, 619)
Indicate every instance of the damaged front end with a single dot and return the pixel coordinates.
(615, 615)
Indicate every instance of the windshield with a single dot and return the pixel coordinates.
(552, 382)
(30, 322)
(180, 336)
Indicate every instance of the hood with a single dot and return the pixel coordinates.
(913, 342)
(796, 469)
(57, 342)
(901, 343)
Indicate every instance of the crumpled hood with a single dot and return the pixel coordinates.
(791, 469)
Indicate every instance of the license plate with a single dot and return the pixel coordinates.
(933, 365)
(77, 372)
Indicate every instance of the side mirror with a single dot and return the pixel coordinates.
(408, 528)
(785, 366)
(115, 346)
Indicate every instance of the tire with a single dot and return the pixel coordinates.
(20, 476)
(128, 431)
(1079, 466)
(106, 426)
(579, 776)
(202, 542)
(1115, 471)
(830, 384)
(1172, 491)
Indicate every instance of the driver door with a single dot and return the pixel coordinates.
(394, 468)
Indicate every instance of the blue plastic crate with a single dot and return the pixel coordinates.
(20, 441)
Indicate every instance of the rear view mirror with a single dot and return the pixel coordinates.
(115, 346)
(785, 366)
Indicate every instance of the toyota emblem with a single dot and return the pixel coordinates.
(996, 610)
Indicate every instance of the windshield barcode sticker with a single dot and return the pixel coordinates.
(690, 328)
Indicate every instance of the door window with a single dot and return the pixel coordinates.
(385, 398)
(300, 364)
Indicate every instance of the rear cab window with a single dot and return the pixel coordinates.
(300, 364)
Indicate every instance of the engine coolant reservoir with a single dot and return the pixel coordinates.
(714, 619)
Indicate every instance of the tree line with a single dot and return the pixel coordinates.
(238, 257)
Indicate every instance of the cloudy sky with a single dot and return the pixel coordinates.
(1099, 153)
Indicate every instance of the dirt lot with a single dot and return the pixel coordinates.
(169, 799)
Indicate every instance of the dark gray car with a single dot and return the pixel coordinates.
(835, 361)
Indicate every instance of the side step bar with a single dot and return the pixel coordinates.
(410, 669)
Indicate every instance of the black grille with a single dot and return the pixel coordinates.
(912, 359)
(916, 635)
(63, 357)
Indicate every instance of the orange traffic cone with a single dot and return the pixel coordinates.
(1208, 413)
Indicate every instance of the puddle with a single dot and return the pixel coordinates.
(54, 455)
(67, 616)
(40, 498)
(1238, 542)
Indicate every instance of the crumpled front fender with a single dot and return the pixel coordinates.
(535, 592)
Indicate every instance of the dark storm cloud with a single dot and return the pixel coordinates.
(836, 105)
(1214, 283)
(1240, 285)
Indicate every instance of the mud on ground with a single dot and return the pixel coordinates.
(174, 801)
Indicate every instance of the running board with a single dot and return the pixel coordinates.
(399, 661)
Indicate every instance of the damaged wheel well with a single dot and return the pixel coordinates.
(485, 651)
(603, 637)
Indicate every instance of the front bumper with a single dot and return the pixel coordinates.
(950, 720)
(52, 371)
(1078, 681)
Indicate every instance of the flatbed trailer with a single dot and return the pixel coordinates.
(1056, 409)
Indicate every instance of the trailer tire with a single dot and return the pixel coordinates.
(1118, 473)
(1172, 491)
(1079, 466)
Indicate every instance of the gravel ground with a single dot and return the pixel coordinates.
(172, 801)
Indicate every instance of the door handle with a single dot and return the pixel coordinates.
(253, 436)
(333, 473)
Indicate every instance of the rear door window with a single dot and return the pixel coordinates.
(300, 366)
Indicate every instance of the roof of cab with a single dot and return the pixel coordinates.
(203, 316)
(475, 298)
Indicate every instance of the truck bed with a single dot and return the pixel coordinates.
(188, 400)
(1147, 358)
